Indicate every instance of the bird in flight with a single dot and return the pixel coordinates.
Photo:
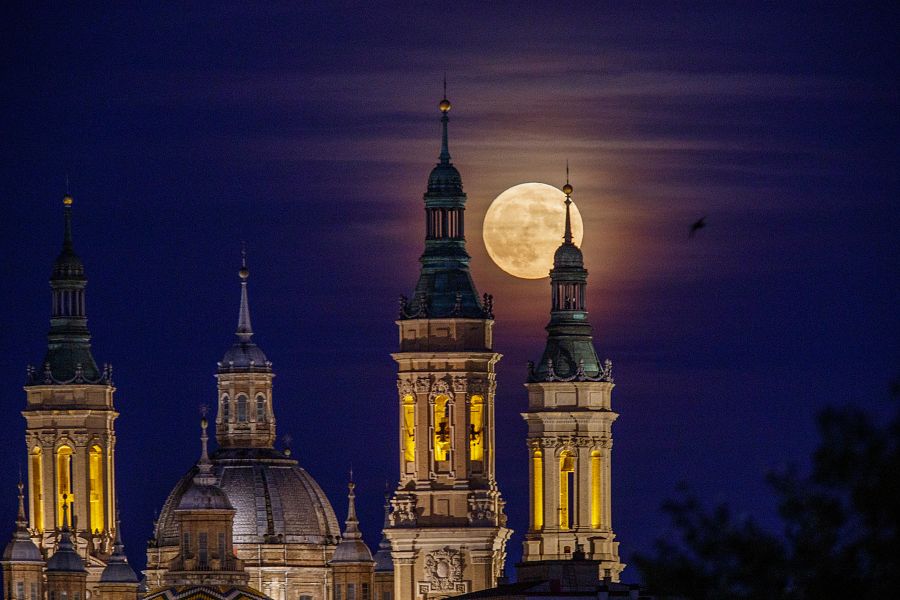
(697, 226)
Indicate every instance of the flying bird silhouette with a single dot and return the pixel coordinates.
(697, 226)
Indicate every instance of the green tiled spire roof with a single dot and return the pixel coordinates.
(445, 287)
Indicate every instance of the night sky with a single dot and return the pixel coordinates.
(310, 131)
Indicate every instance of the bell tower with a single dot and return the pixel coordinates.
(448, 530)
(245, 418)
(69, 417)
(569, 422)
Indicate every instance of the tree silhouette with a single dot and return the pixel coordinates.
(840, 537)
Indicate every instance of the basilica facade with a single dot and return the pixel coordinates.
(248, 521)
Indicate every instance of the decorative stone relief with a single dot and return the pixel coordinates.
(423, 383)
(405, 387)
(404, 512)
(443, 570)
(481, 510)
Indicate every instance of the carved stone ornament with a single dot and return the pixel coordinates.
(423, 383)
(444, 569)
(440, 387)
(481, 510)
(460, 383)
(405, 387)
(404, 511)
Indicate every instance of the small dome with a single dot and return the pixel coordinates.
(384, 563)
(243, 355)
(65, 559)
(22, 549)
(352, 551)
(199, 497)
(445, 180)
(568, 255)
(118, 572)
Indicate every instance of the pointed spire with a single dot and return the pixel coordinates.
(204, 474)
(351, 531)
(117, 568)
(567, 190)
(21, 519)
(244, 330)
(66, 558)
(67, 212)
(445, 108)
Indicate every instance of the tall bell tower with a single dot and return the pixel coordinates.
(569, 422)
(69, 416)
(448, 530)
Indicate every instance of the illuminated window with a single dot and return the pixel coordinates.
(37, 489)
(537, 490)
(226, 409)
(441, 428)
(242, 409)
(409, 428)
(63, 481)
(95, 473)
(595, 489)
(566, 488)
(260, 409)
(476, 428)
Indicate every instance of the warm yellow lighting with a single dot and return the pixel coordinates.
(441, 428)
(37, 489)
(63, 481)
(566, 475)
(409, 428)
(537, 491)
(476, 428)
(95, 473)
(595, 489)
(524, 226)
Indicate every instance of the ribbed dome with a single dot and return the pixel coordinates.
(568, 255)
(352, 551)
(22, 549)
(276, 501)
(243, 355)
(198, 497)
(445, 180)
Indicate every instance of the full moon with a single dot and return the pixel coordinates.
(524, 226)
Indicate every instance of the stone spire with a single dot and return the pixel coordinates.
(68, 358)
(384, 561)
(351, 547)
(204, 474)
(244, 355)
(21, 548)
(569, 353)
(66, 559)
(445, 287)
(117, 568)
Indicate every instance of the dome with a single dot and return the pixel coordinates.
(568, 255)
(118, 572)
(445, 180)
(65, 558)
(243, 355)
(353, 551)
(274, 499)
(199, 496)
(22, 549)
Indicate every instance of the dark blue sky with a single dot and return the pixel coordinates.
(310, 132)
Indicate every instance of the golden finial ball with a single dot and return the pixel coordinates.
(67, 200)
(567, 189)
(444, 105)
(244, 273)
(204, 423)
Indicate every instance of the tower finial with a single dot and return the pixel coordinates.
(352, 523)
(21, 519)
(445, 108)
(567, 190)
(244, 330)
(67, 211)
(204, 465)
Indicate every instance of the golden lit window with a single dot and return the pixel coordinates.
(566, 488)
(537, 490)
(596, 482)
(409, 428)
(476, 428)
(63, 481)
(441, 428)
(95, 472)
(37, 489)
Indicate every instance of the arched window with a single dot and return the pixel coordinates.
(442, 434)
(476, 428)
(95, 478)
(242, 409)
(537, 490)
(226, 409)
(566, 488)
(37, 489)
(409, 428)
(63, 482)
(260, 409)
(596, 464)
